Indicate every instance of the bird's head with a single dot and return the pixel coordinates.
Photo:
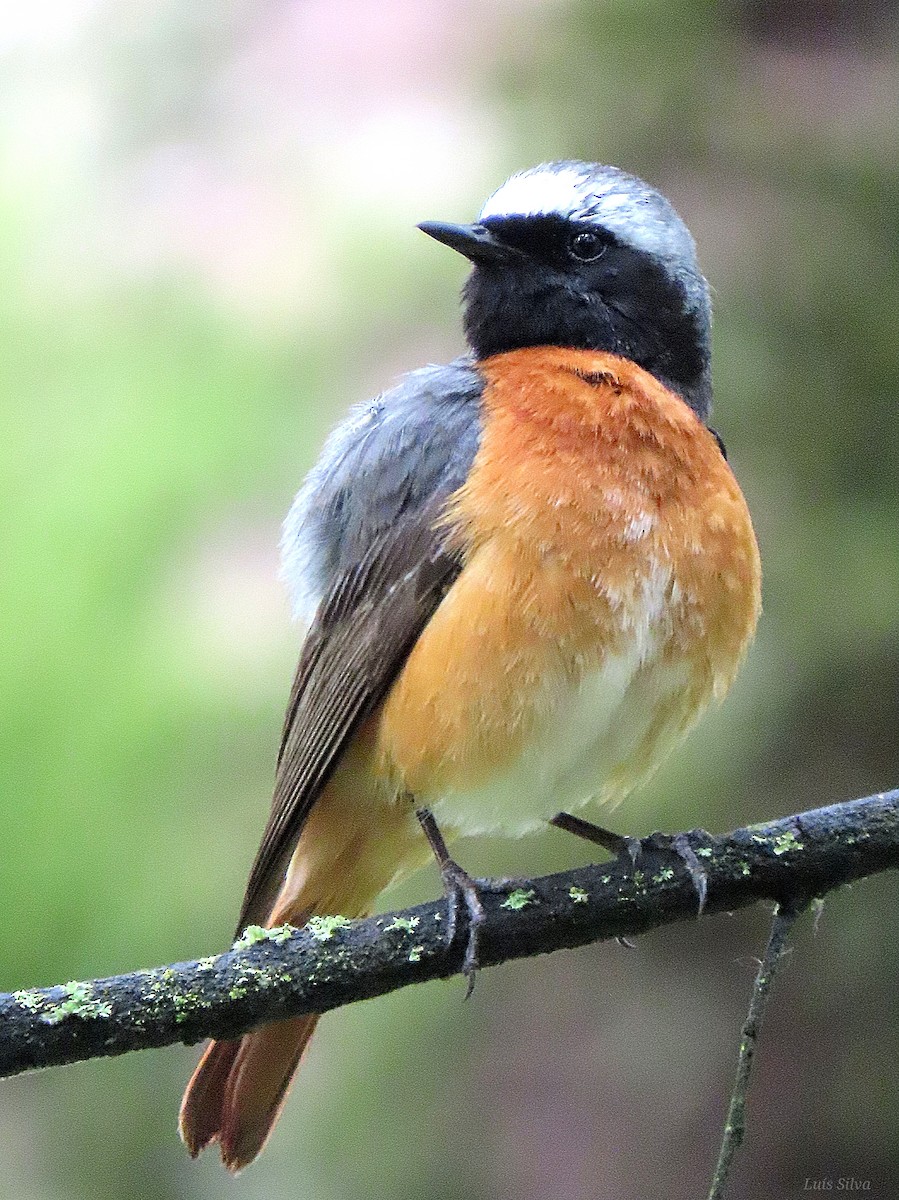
(582, 255)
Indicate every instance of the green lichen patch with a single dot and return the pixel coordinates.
(252, 978)
(407, 924)
(29, 1000)
(664, 876)
(578, 895)
(324, 928)
(254, 934)
(785, 842)
(415, 953)
(79, 1002)
(520, 898)
(187, 1005)
(780, 843)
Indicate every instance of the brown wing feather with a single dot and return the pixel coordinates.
(362, 634)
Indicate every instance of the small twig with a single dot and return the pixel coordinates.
(735, 1126)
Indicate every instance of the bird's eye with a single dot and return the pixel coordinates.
(586, 246)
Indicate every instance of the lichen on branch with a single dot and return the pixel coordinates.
(271, 974)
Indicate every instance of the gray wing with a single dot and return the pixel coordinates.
(371, 541)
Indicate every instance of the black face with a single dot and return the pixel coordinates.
(575, 284)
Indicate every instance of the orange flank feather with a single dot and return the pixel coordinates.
(601, 527)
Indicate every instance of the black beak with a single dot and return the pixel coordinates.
(476, 242)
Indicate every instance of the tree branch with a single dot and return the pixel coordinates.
(272, 974)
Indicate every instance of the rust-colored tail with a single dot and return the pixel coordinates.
(238, 1090)
(340, 865)
(236, 1094)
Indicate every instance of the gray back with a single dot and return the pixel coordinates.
(389, 457)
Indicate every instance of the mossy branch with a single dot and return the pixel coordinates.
(280, 973)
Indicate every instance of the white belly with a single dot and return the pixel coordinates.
(599, 741)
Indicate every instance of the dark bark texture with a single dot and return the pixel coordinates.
(270, 974)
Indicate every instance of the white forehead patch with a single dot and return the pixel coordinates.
(532, 193)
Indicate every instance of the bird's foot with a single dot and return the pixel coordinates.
(681, 846)
(465, 908)
(463, 895)
(630, 850)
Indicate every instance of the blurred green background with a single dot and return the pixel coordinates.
(208, 251)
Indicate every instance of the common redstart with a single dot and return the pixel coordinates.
(524, 575)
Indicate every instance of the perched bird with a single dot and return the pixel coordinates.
(525, 574)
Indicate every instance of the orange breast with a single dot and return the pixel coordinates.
(602, 531)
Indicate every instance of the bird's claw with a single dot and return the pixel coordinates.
(682, 847)
(460, 889)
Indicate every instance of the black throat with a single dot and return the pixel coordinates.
(625, 302)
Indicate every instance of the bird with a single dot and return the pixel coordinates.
(523, 575)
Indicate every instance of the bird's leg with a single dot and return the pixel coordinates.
(620, 845)
(628, 850)
(460, 889)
